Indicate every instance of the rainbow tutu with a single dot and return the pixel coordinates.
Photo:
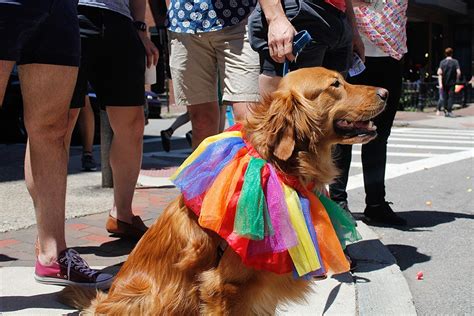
(271, 221)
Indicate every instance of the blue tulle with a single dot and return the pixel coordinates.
(196, 178)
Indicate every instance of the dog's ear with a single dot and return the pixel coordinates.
(286, 145)
(282, 133)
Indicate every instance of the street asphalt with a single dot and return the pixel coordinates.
(377, 287)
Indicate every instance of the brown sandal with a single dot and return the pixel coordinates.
(135, 230)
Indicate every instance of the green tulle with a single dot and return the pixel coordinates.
(343, 223)
(250, 221)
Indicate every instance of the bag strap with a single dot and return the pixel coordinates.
(300, 40)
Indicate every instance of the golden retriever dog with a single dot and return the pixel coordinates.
(177, 267)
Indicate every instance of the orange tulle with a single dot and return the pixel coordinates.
(330, 248)
(220, 193)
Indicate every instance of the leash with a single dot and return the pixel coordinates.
(300, 40)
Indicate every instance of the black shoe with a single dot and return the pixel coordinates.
(189, 138)
(449, 114)
(383, 214)
(88, 162)
(166, 139)
(345, 206)
(352, 261)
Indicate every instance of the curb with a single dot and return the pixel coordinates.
(381, 288)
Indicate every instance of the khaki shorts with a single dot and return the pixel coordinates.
(197, 61)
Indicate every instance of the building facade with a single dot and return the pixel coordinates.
(432, 26)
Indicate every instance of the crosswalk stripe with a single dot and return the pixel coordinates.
(435, 131)
(357, 164)
(425, 147)
(431, 136)
(401, 154)
(400, 139)
(393, 171)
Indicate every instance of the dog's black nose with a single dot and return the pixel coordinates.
(382, 93)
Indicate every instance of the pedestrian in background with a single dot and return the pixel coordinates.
(382, 25)
(449, 73)
(84, 118)
(115, 47)
(209, 42)
(42, 37)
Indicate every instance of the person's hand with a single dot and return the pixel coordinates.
(358, 46)
(151, 51)
(280, 39)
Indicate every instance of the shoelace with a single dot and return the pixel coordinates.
(73, 259)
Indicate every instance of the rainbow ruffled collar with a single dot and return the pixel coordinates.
(273, 223)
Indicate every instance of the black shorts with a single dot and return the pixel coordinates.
(329, 27)
(113, 59)
(40, 32)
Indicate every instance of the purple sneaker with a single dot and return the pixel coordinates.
(71, 269)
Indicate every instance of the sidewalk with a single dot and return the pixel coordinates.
(347, 294)
(377, 287)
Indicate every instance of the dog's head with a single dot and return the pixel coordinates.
(313, 109)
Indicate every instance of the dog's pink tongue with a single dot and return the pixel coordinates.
(361, 124)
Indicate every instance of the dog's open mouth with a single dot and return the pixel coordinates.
(349, 129)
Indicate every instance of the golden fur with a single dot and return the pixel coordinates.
(175, 268)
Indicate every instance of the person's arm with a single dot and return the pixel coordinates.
(280, 31)
(357, 44)
(440, 78)
(158, 11)
(458, 72)
(137, 9)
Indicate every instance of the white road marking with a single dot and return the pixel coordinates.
(421, 136)
(419, 140)
(426, 147)
(435, 131)
(400, 154)
(394, 171)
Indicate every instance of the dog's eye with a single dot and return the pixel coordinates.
(336, 84)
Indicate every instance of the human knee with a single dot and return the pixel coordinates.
(44, 130)
(132, 126)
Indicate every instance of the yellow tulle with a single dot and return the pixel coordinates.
(304, 255)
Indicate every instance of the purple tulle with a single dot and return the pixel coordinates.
(201, 173)
(284, 236)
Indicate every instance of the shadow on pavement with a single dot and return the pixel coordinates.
(370, 255)
(342, 278)
(5, 258)
(116, 248)
(18, 303)
(407, 256)
(419, 219)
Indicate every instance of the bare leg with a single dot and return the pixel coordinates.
(205, 119)
(6, 67)
(86, 126)
(171, 92)
(47, 92)
(72, 119)
(180, 121)
(128, 124)
(267, 84)
(241, 109)
(222, 109)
